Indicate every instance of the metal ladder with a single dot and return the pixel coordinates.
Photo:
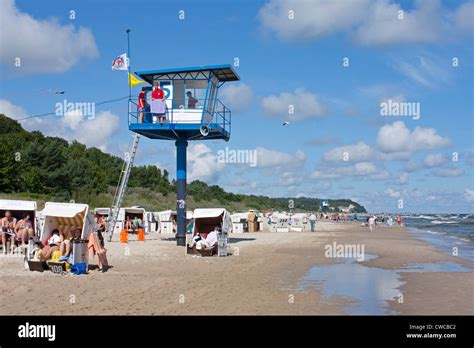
(122, 187)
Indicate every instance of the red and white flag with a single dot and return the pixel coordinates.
(120, 63)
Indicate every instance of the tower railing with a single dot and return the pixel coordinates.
(221, 116)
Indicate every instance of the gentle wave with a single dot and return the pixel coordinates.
(443, 222)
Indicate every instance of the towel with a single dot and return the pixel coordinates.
(95, 248)
(158, 106)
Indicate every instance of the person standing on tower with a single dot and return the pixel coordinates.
(158, 104)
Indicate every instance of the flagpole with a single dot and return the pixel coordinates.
(128, 64)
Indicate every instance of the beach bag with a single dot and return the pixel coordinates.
(79, 268)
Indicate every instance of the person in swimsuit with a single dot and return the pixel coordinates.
(8, 224)
(54, 243)
(128, 224)
(24, 230)
(100, 221)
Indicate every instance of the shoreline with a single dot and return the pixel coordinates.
(263, 277)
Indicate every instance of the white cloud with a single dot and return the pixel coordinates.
(469, 195)
(43, 45)
(448, 172)
(369, 23)
(470, 158)
(11, 110)
(98, 130)
(354, 153)
(358, 169)
(272, 159)
(305, 105)
(424, 69)
(411, 166)
(434, 160)
(382, 26)
(237, 97)
(392, 193)
(402, 179)
(92, 131)
(383, 175)
(203, 163)
(464, 16)
(289, 179)
(72, 119)
(396, 137)
(312, 19)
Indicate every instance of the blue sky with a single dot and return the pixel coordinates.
(406, 57)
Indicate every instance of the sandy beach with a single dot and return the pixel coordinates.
(264, 276)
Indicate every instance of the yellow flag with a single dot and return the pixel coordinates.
(134, 80)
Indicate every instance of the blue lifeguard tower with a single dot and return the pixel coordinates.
(193, 112)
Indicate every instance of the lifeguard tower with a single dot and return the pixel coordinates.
(192, 112)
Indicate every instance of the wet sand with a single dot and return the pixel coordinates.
(264, 276)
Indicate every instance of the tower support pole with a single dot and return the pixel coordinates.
(181, 146)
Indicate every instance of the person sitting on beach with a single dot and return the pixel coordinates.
(53, 245)
(175, 227)
(24, 230)
(128, 224)
(209, 242)
(8, 224)
(191, 100)
(137, 222)
(65, 248)
(76, 235)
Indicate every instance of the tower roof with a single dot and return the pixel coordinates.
(224, 73)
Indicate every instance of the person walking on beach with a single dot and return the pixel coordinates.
(312, 221)
(399, 220)
(371, 223)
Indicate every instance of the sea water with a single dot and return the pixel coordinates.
(451, 233)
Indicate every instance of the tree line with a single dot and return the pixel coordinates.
(33, 163)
